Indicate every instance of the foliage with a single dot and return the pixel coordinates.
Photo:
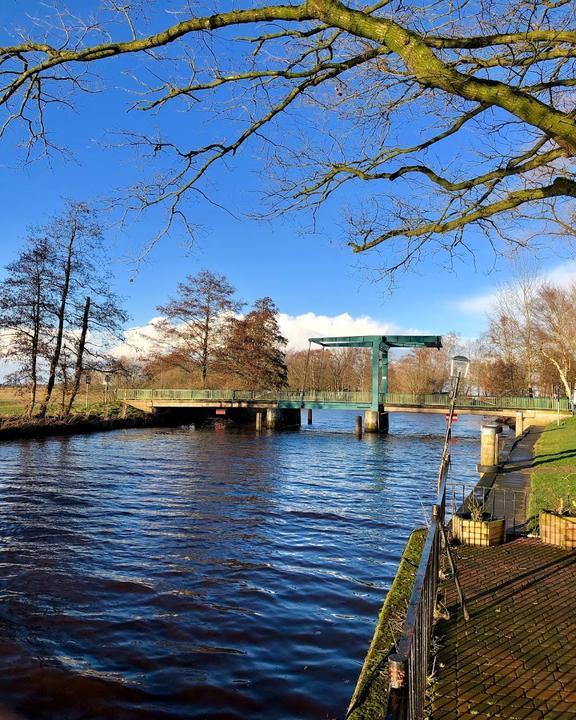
(254, 349)
(437, 117)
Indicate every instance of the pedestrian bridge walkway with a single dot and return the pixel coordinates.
(152, 399)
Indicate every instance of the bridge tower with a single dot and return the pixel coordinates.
(376, 419)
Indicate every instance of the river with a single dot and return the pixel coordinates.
(174, 573)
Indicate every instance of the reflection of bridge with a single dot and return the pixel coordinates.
(530, 410)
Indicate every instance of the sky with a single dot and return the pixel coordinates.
(319, 285)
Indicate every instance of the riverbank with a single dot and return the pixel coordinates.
(554, 474)
(372, 687)
(16, 428)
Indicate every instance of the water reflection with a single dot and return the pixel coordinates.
(181, 574)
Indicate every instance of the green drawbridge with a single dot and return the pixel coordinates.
(380, 345)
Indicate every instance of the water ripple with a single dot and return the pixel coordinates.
(180, 574)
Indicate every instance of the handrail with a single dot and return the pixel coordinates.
(437, 400)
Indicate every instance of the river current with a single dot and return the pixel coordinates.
(173, 573)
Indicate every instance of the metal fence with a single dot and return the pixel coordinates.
(479, 401)
(320, 396)
(408, 667)
(507, 503)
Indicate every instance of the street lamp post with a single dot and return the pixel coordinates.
(459, 366)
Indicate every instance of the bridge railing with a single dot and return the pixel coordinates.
(441, 400)
(321, 396)
(476, 401)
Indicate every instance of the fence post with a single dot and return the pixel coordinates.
(397, 672)
(397, 704)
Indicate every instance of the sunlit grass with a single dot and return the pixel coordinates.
(554, 477)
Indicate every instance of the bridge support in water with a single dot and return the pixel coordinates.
(281, 418)
(376, 421)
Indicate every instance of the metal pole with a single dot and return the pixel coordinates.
(454, 573)
(445, 450)
(305, 375)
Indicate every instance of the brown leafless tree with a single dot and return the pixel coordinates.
(441, 116)
(195, 320)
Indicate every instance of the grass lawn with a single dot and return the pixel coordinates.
(554, 476)
(13, 402)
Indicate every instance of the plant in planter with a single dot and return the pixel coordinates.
(558, 526)
(475, 526)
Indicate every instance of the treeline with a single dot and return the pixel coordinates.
(206, 340)
(59, 320)
(57, 309)
(530, 345)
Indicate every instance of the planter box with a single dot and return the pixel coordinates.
(558, 529)
(483, 532)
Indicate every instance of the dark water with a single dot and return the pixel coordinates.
(182, 574)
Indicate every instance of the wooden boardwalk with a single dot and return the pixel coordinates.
(516, 656)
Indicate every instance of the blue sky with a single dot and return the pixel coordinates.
(302, 272)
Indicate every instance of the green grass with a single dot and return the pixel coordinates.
(11, 409)
(13, 403)
(554, 477)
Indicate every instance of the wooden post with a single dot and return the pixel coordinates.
(258, 422)
(309, 416)
(359, 425)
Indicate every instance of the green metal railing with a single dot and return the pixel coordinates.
(477, 401)
(248, 395)
(439, 400)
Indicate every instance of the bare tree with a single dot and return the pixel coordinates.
(193, 332)
(556, 331)
(43, 302)
(447, 116)
(26, 307)
(80, 350)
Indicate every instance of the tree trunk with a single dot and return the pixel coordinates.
(34, 351)
(562, 373)
(79, 357)
(60, 332)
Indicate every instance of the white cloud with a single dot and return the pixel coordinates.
(481, 304)
(141, 340)
(298, 328)
(561, 275)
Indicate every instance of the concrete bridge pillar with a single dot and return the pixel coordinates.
(519, 426)
(489, 447)
(375, 421)
(279, 418)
